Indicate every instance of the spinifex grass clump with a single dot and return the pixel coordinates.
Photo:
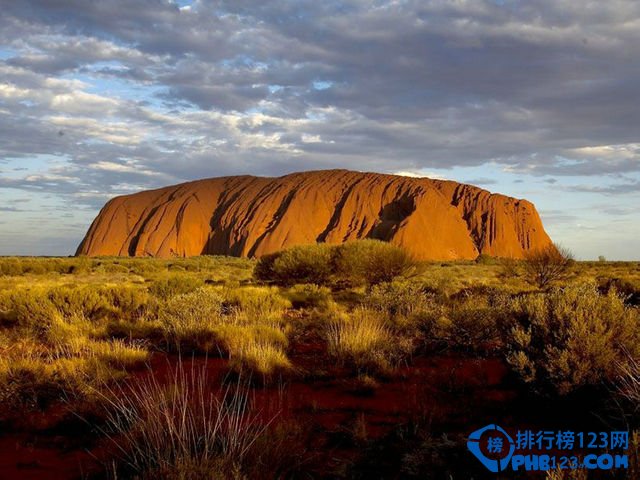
(183, 428)
(54, 345)
(244, 324)
(366, 341)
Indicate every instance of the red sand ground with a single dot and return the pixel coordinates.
(445, 386)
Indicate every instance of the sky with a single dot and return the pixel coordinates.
(536, 99)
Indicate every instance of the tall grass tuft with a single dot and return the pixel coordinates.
(629, 381)
(365, 341)
(182, 428)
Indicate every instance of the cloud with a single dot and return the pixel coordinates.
(10, 209)
(614, 189)
(125, 95)
(482, 181)
(558, 217)
(408, 83)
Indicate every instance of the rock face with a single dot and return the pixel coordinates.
(252, 216)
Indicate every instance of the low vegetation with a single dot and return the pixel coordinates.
(547, 265)
(358, 263)
(367, 342)
(572, 337)
(358, 317)
(186, 428)
(244, 324)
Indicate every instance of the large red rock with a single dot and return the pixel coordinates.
(251, 216)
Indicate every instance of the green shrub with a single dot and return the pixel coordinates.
(27, 309)
(263, 269)
(399, 298)
(362, 262)
(190, 319)
(127, 301)
(471, 322)
(370, 262)
(571, 337)
(174, 284)
(310, 296)
(87, 301)
(99, 302)
(299, 264)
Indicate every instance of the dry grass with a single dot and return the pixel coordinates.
(629, 381)
(34, 374)
(245, 324)
(365, 341)
(182, 429)
(263, 358)
(567, 474)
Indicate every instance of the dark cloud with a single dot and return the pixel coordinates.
(617, 211)
(482, 181)
(614, 189)
(558, 217)
(10, 209)
(225, 87)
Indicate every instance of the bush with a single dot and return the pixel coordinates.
(629, 289)
(300, 264)
(370, 262)
(399, 298)
(256, 302)
(40, 311)
(310, 296)
(471, 322)
(363, 262)
(175, 284)
(509, 268)
(547, 265)
(572, 337)
(190, 319)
